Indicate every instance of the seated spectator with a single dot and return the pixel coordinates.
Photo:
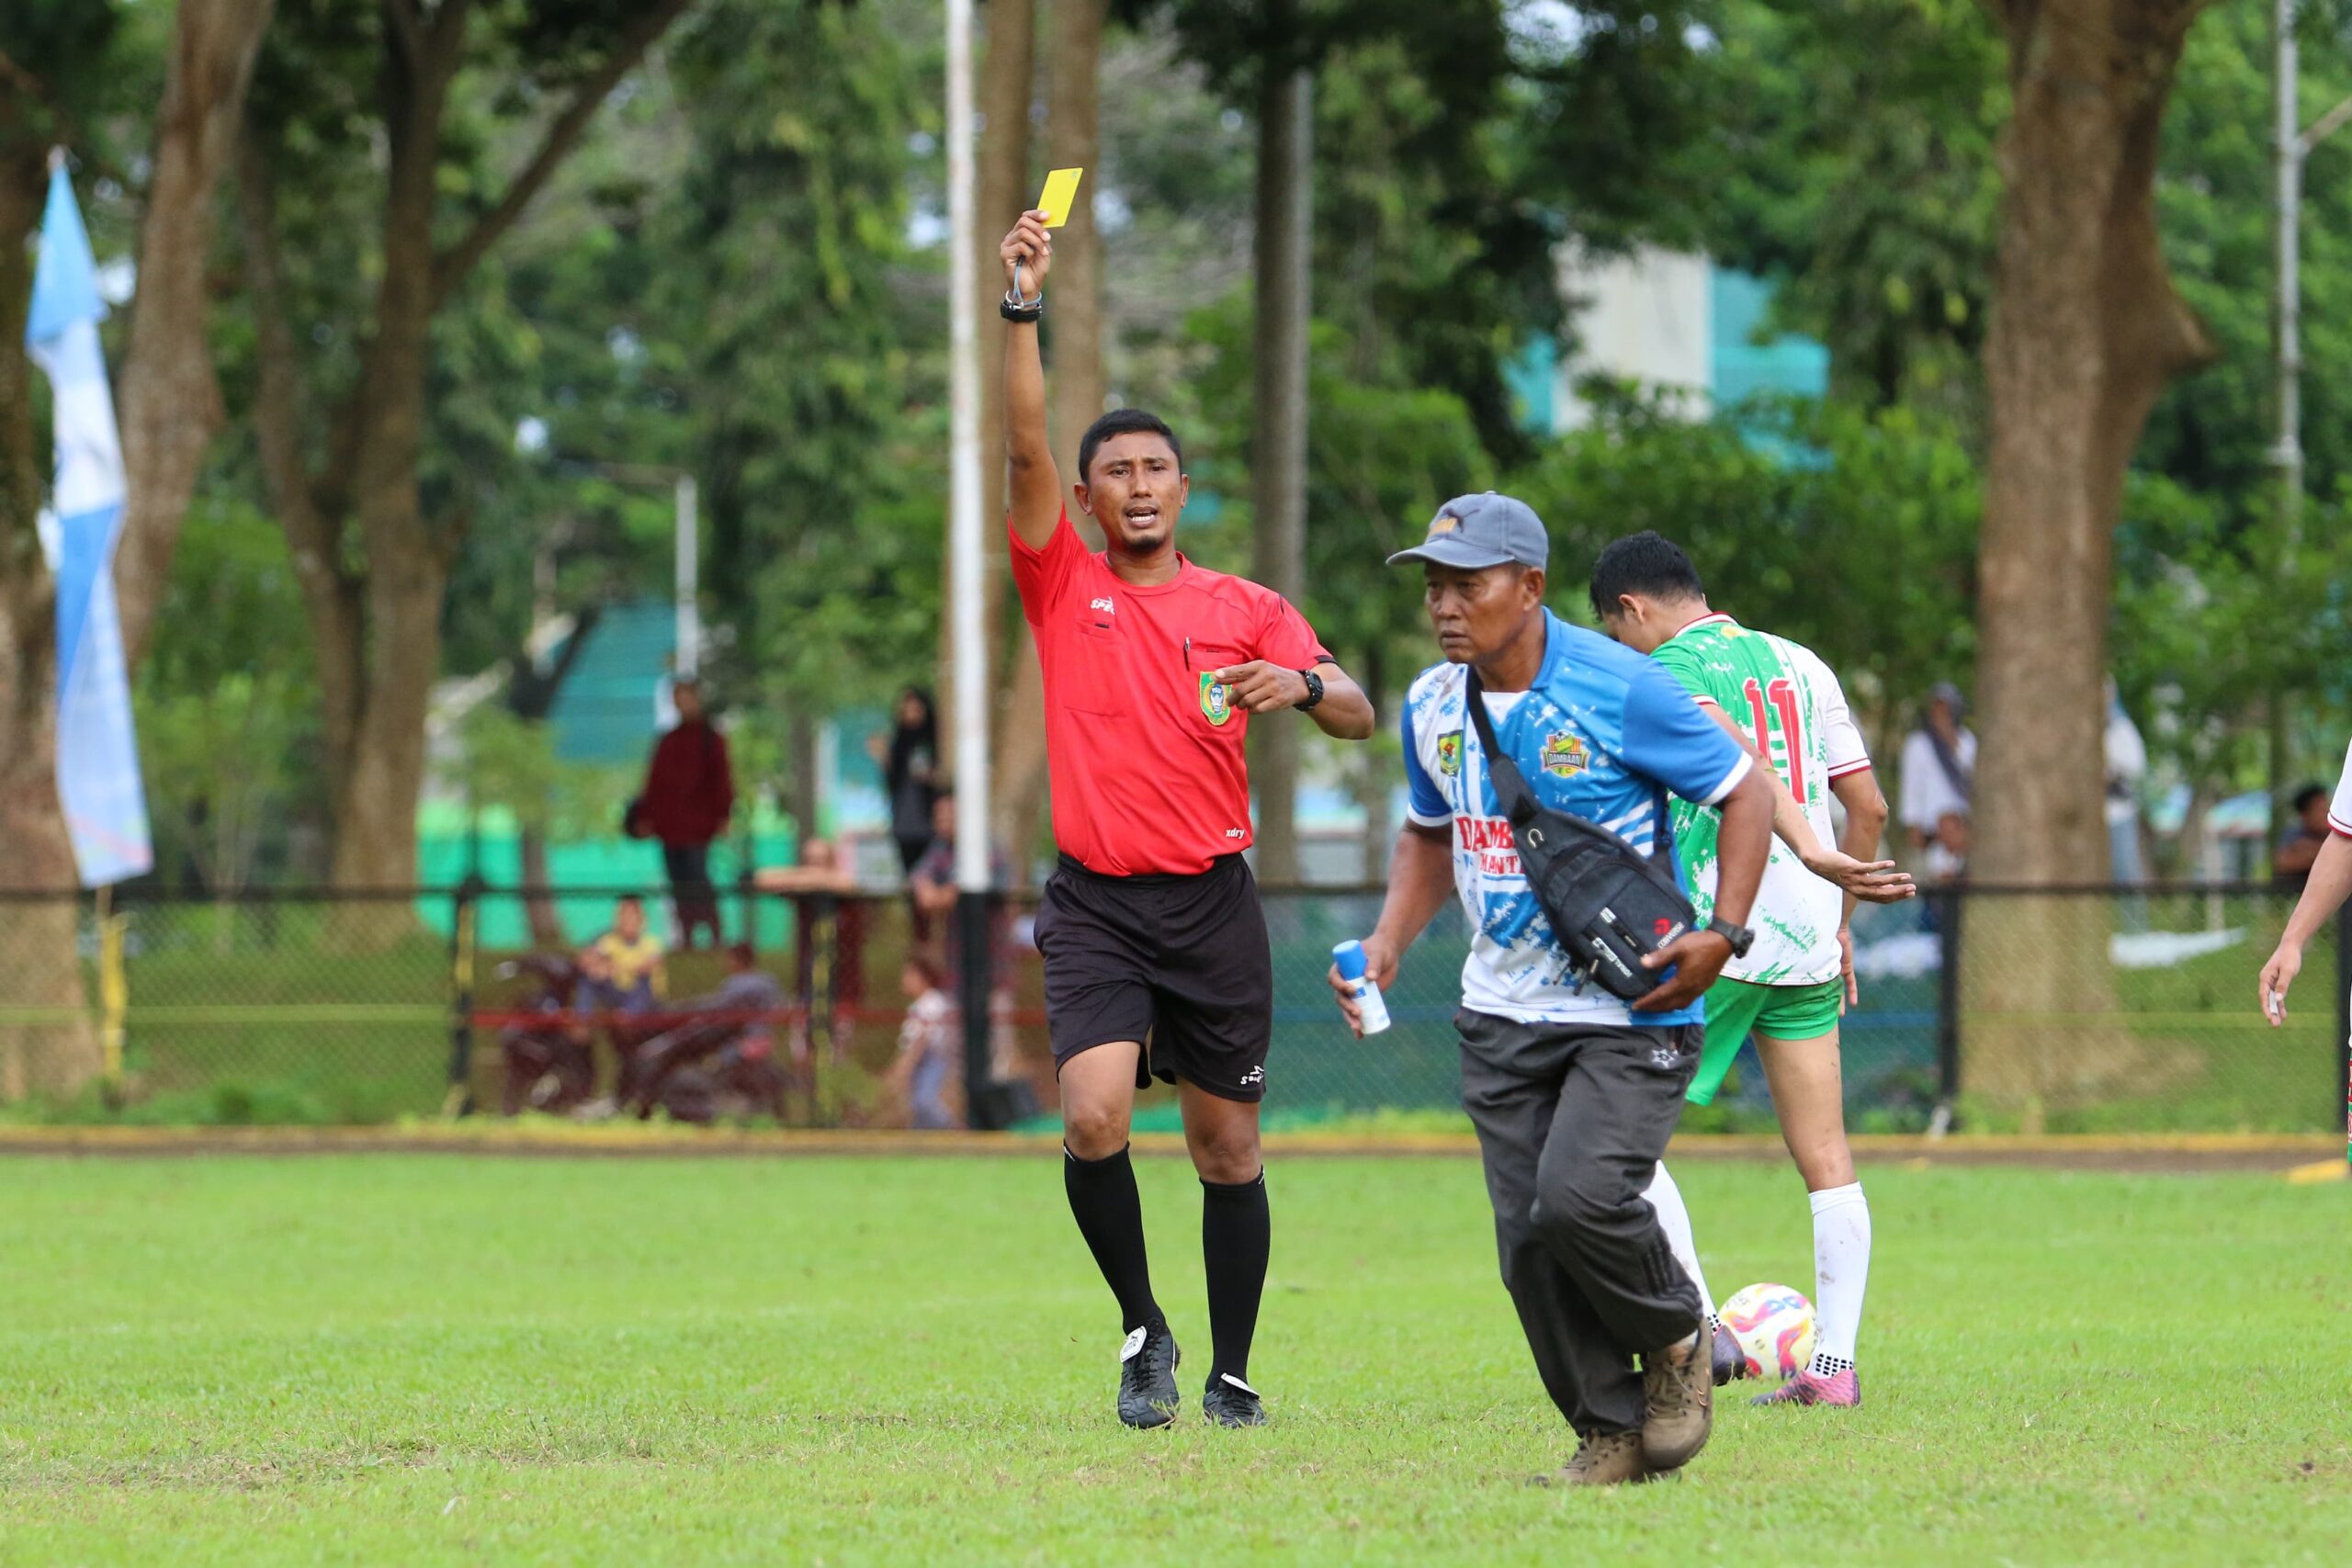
(2292, 863)
(633, 959)
(752, 1001)
(928, 1044)
(1939, 778)
(591, 988)
(933, 890)
(549, 1049)
(735, 1022)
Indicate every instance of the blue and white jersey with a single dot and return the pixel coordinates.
(1604, 734)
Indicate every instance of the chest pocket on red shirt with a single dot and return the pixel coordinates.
(1098, 683)
(1215, 702)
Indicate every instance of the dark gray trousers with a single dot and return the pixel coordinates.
(1572, 1119)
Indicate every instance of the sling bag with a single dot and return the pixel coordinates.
(1610, 905)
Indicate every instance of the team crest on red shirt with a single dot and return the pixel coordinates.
(1566, 754)
(1217, 706)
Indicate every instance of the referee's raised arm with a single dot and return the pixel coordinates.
(1028, 255)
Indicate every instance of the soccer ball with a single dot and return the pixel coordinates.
(1774, 1327)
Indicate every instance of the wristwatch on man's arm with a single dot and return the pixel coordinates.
(1740, 936)
(1314, 690)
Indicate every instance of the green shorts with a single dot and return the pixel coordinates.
(1736, 1009)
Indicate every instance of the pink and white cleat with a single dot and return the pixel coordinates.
(1809, 1387)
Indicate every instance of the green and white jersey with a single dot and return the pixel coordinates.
(1790, 705)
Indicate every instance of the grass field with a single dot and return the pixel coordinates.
(379, 1359)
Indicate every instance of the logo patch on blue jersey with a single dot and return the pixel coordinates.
(1448, 754)
(1566, 754)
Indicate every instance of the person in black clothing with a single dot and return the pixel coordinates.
(2290, 866)
(909, 760)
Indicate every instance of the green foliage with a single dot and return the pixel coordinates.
(1854, 164)
(59, 70)
(227, 722)
(1851, 532)
(2213, 430)
(1382, 456)
(509, 763)
(1454, 144)
(788, 298)
(1857, 167)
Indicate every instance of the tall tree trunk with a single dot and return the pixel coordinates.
(547, 926)
(1278, 441)
(373, 568)
(2086, 330)
(171, 400)
(1074, 140)
(375, 829)
(332, 599)
(1002, 160)
(41, 971)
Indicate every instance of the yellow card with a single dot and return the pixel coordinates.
(1061, 194)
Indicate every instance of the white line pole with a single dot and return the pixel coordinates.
(964, 522)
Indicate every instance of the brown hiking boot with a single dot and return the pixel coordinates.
(1680, 1385)
(1602, 1458)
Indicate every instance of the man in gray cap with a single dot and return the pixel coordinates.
(1574, 1092)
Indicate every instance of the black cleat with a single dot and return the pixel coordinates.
(1730, 1361)
(1229, 1401)
(1147, 1394)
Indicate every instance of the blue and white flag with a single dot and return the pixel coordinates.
(97, 756)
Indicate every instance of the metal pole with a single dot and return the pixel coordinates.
(964, 525)
(465, 910)
(1947, 904)
(689, 560)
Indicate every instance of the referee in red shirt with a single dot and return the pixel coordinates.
(1155, 946)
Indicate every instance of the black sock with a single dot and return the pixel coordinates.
(1110, 1216)
(1236, 1234)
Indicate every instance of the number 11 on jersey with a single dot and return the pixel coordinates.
(1783, 697)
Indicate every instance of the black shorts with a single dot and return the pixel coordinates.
(1180, 963)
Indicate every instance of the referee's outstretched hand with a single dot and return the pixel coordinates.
(1260, 687)
(1031, 248)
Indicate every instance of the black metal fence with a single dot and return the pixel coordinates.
(2059, 1011)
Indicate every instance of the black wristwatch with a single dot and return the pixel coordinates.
(1314, 690)
(1013, 308)
(1740, 936)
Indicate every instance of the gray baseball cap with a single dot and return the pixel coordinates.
(1477, 531)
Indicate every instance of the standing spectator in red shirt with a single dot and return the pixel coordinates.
(689, 795)
(1156, 962)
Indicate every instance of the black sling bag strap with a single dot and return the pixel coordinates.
(1610, 905)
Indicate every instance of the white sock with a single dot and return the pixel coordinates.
(1675, 1219)
(1841, 1272)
